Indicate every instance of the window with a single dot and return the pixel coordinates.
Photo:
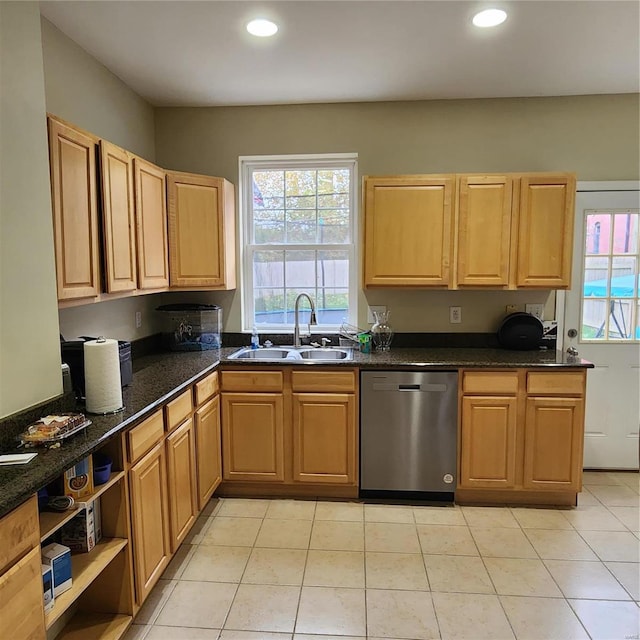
(299, 231)
(610, 307)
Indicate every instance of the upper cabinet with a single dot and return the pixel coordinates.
(545, 231)
(118, 218)
(201, 231)
(499, 231)
(484, 230)
(72, 156)
(408, 230)
(151, 225)
(116, 173)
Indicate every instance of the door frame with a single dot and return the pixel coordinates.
(586, 186)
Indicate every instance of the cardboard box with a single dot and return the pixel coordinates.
(78, 481)
(83, 531)
(47, 586)
(58, 557)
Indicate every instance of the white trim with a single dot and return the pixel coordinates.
(246, 164)
(610, 185)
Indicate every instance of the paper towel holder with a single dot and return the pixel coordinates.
(101, 340)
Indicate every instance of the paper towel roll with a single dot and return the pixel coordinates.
(103, 389)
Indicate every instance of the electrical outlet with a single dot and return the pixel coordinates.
(138, 319)
(380, 308)
(455, 315)
(511, 308)
(536, 310)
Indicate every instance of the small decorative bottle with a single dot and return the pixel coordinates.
(381, 331)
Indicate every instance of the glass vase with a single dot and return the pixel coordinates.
(381, 331)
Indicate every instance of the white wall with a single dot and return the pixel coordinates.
(29, 345)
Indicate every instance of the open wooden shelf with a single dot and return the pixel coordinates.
(51, 521)
(85, 568)
(87, 625)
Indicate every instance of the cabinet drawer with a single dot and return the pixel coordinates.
(323, 381)
(252, 380)
(206, 388)
(19, 533)
(550, 383)
(490, 382)
(145, 435)
(178, 410)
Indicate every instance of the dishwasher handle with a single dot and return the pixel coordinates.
(434, 388)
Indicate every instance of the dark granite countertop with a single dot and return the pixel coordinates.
(158, 378)
(434, 357)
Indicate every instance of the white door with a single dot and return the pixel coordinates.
(602, 319)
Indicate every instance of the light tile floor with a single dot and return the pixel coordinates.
(305, 570)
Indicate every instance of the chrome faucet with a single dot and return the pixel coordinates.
(296, 315)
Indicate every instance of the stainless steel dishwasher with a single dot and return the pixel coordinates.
(408, 433)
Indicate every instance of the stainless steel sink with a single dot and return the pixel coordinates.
(326, 354)
(272, 353)
(308, 354)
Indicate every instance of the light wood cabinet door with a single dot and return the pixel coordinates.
(253, 437)
(324, 438)
(545, 231)
(21, 605)
(408, 230)
(118, 223)
(554, 434)
(488, 442)
(150, 520)
(151, 225)
(208, 450)
(72, 157)
(484, 230)
(181, 479)
(201, 231)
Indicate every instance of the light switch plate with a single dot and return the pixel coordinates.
(536, 310)
(370, 310)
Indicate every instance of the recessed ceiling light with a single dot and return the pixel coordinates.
(489, 18)
(262, 28)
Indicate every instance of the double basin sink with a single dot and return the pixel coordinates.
(306, 354)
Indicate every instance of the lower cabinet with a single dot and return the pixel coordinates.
(553, 444)
(150, 519)
(208, 449)
(521, 431)
(303, 431)
(488, 443)
(324, 437)
(253, 436)
(181, 478)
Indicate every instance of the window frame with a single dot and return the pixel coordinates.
(246, 166)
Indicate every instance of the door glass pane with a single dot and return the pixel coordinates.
(301, 270)
(596, 282)
(620, 320)
(623, 277)
(598, 233)
(625, 233)
(594, 319)
(637, 336)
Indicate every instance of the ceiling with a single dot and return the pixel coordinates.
(183, 53)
